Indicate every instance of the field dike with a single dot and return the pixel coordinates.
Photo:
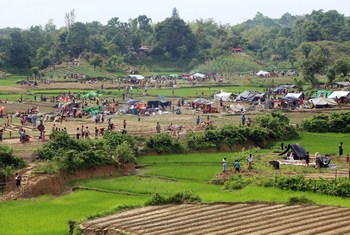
(224, 218)
(34, 184)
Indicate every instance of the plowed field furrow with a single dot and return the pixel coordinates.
(325, 218)
(242, 221)
(327, 227)
(305, 217)
(287, 215)
(185, 221)
(169, 218)
(122, 215)
(339, 230)
(221, 220)
(198, 219)
(121, 218)
(167, 215)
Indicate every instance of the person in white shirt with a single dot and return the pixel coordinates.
(250, 160)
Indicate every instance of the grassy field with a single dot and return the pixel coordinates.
(166, 175)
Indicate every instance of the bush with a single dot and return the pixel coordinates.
(196, 141)
(335, 187)
(9, 162)
(336, 122)
(300, 200)
(177, 198)
(123, 153)
(236, 182)
(164, 143)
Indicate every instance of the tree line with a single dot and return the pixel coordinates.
(173, 39)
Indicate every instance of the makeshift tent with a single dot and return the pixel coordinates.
(132, 102)
(201, 101)
(93, 110)
(138, 77)
(297, 96)
(339, 94)
(91, 95)
(225, 96)
(324, 93)
(262, 73)
(343, 84)
(248, 96)
(198, 75)
(322, 102)
(237, 108)
(283, 87)
(299, 151)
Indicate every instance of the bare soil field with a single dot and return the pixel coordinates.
(224, 218)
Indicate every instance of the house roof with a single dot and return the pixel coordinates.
(338, 94)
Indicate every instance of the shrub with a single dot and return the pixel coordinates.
(336, 122)
(123, 153)
(335, 187)
(164, 143)
(113, 139)
(300, 200)
(236, 181)
(9, 162)
(177, 198)
(197, 141)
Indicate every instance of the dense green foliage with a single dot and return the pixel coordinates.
(237, 181)
(293, 39)
(8, 161)
(336, 122)
(271, 127)
(335, 187)
(300, 200)
(66, 153)
(164, 143)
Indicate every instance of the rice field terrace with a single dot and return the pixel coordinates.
(224, 218)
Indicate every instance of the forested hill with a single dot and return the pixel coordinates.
(186, 45)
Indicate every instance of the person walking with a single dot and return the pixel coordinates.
(198, 120)
(224, 165)
(18, 180)
(243, 119)
(158, 127)
(237, 166)
(340, 149)
(250, 160)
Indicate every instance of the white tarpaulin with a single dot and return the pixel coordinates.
(294, 95)
(262, 73)
(198, 75)
(322, 101)
(223, 95)
(237, 108)
(338, 94)
(138, 77)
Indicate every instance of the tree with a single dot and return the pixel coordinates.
(96, 61)
(292, 58)
(175, 37)
(69, 18)
(19, 53)
(77, 38)
(331, 74)
(306, 49)
(35, 72)
(342, 66)
(310, 67)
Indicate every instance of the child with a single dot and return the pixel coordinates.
(237, 166)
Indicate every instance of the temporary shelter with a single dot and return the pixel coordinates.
(299, 151)
(297, 96)
(138, 77)
(198, 75)
(248, 96)
(225, 96)
(322, 102)
(339, 94)
(262, 73)
(324, 93)
(343, 84)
